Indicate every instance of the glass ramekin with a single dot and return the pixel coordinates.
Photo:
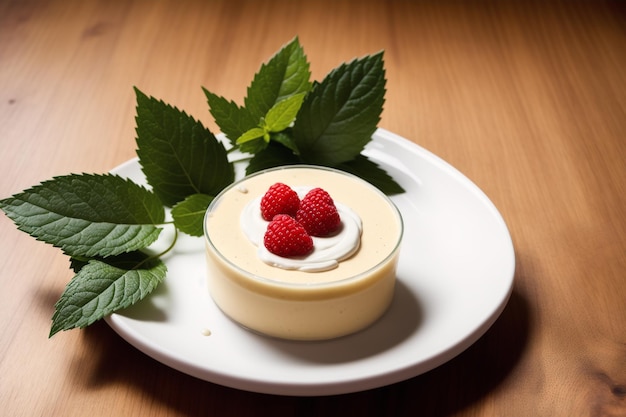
(300, 305)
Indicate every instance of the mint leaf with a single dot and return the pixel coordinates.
(277, 120)
(189, 214)
(282, 114)
(286, 139)
(88, 215)
(254, 133)
(371, 172)
(178, 155)
(128, 260)
(340, 114)
(76, 264)
(253, 145)
(100, 289)
(232, 120)
(285, 74)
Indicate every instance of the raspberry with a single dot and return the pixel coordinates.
(279, 199)
(286, 237)
(318, 214)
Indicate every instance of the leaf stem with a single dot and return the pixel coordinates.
(171, 246)
(163, 253)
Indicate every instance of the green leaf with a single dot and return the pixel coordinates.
(371, 172)
(285, 138)
(232, 120)
(88, 215)
(272, 156)
(285, 74)
(128, 260)
(254, 133)
(178, 155)
(283, 113)
(253, 146)
(101, 288)
(76, 263)
(189, 214)
(340, 114)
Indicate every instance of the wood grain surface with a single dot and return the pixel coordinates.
(527, 99)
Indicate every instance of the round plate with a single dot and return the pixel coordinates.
(454, 278)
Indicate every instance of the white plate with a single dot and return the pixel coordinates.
(454, 278)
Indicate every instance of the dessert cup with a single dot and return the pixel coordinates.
(294, 304)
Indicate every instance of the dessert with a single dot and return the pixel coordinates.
(341, 285)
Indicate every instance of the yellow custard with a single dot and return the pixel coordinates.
(295, 304)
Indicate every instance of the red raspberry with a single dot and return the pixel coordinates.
(279, 199)
(318, 214)
(286, 237)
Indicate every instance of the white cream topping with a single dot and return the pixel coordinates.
(327, 251)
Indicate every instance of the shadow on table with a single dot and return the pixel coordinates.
(475, 372)
(451, 387)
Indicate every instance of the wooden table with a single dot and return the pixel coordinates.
(527, 99)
